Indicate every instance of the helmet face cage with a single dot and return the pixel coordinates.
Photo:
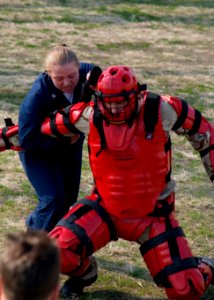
(118, 109)
(117, 94)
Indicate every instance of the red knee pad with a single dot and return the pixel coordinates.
(84, 229)
(70, 262)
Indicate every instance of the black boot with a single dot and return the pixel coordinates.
(209, 270)
(73, 287)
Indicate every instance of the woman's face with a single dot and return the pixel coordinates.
(65, 77)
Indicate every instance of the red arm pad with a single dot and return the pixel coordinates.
(76, 111)
(190, 117)
(63, 121)
(46, 128)
(198, 130)
(8, 135)
(12, 130)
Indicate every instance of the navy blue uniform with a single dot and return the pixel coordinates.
(53, 166)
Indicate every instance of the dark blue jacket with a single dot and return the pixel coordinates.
(42, 99)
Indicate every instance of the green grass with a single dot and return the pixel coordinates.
(170, 45)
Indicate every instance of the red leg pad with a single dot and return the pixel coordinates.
(185, 284)
(74, 256)
(71, 262)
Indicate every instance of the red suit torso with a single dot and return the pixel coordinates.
(130, 173)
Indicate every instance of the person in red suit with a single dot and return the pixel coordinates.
(128, 129)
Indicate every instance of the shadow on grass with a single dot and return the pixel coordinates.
(209, 295)
(116, 295)
(137, 272)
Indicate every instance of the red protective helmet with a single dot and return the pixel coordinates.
(117, 95)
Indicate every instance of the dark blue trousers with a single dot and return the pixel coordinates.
(55, 176)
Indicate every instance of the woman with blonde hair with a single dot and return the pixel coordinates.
(53, 167)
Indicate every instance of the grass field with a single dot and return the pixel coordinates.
(170, 46)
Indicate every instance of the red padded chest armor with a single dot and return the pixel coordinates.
(131, 172)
